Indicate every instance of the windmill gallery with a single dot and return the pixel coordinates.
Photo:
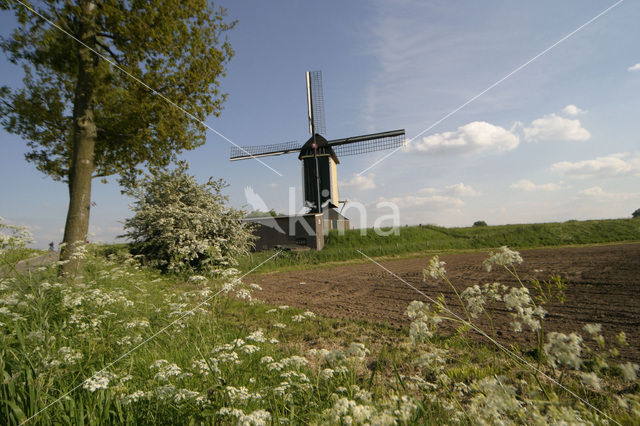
(319, 158)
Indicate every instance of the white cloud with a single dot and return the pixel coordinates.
(572, 110)
(611, 165)
(458, 190)
(635, 67)
(598, 194)
(527, 185)
(430, 201)
(554, 127)
(475, 136)
(361, 182)
(462, 190)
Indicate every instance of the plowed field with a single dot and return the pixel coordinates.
(603, 287)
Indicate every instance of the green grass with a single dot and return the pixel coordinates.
(429, 238)
(55, 334)
(14, 256)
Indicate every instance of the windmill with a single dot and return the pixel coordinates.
(318, 155)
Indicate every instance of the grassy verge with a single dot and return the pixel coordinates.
(414, 240)
(15, 256)
(199, 355)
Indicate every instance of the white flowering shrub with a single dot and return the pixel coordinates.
(181, 225)
(13, 240)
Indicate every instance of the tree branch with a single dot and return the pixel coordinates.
(107, 35)
(108, 50)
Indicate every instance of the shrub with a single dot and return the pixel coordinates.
(636, 214)
(480, 223)
(181, 225)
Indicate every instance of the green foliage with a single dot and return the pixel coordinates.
(181, 225)
(13, 243)
(480, 223)
(636, 213)
(259, 213)
(206, 352)
(423, 239)
(177, 48)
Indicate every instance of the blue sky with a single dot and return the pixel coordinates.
(557, 140)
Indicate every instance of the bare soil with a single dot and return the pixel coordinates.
(603, 287)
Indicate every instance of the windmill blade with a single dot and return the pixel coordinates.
(245, 152)
(315, 103)
(368, 143)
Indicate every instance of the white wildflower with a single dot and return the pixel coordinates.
(256, 418)
(257, 336)
(255, 287)
(184, 394)
(159, 363)
(271, 311)
(70, 356)
(99, 380)
(203, 367)
(298, 318)
(341, 369)
(137, 323)
(237, 343)
(301, 377)
(475, 300)
(564, 349)
(230, 357)
(283, 307)
(294, 361)
(166, 371)
(629, 371)
(436, 269)
(280, 325)
(197, 278)
(275, 366)
(228, 287)
(504, 257)
(241, 394)
(243, 294)
(357, 350)
(274, 341)
(134, 397)
(228, 411)
(591, 379)
(519, 301)
(249, 349)
(327, 373)
(225, 347)
(282, 388)
(593, 329)
(414, 309)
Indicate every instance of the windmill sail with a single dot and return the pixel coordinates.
(244, 152)
(315, 103)
(368, 143)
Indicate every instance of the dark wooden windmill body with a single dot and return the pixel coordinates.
(318, 155)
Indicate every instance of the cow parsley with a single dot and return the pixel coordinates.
(435, 270)
(563, 349)
(503, 257)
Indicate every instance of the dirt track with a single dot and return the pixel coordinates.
(603, 287)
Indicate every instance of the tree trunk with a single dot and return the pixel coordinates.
(84, 137)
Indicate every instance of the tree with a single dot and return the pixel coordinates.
(480, 223)
(180, 225)
(104, 88)
(636, 213)
(260, 213)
